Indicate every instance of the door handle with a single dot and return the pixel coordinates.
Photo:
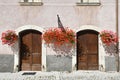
(28, 54)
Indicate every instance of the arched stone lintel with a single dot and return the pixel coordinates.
(88, 27)
(27, 27)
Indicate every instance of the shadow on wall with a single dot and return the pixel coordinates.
(65, 49)
(111, 49)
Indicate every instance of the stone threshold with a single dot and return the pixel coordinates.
(76, 75)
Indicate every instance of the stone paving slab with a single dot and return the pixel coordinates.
(77, 75)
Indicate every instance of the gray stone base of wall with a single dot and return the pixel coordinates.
(54, 63)
(6, 63)
(110, 63)
(58, 63)
(63, 63)
(77, 75)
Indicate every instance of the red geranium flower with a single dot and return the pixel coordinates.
(9, 37)
(108, 37)
(57, 37)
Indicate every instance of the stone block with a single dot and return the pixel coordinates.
(6, 63)
(57, 63)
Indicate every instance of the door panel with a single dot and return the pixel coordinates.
(92, 59)
(87, 50)
(82, 66)
(25, 67)
(82, 58)
(36, 67)
(30, 50)
(36, 58)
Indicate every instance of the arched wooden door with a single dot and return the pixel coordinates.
(30, 50)
(87, 50)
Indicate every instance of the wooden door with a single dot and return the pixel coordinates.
(87, 50)
(30, 50)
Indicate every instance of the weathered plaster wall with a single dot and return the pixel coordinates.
(13, 16)
(45, 16)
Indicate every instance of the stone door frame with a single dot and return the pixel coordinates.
(101, 51)
(16, 47)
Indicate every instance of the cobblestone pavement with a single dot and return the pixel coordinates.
(76, 75)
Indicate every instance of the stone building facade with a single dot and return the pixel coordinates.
(82, 17)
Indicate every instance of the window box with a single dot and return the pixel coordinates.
(31, 3)
(88, 3)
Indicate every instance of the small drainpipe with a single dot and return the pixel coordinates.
(117, 32)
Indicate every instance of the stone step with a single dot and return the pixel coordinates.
(76, 75)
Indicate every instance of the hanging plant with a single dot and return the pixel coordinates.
(108, 37)
(58, 37)
(9, 37)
